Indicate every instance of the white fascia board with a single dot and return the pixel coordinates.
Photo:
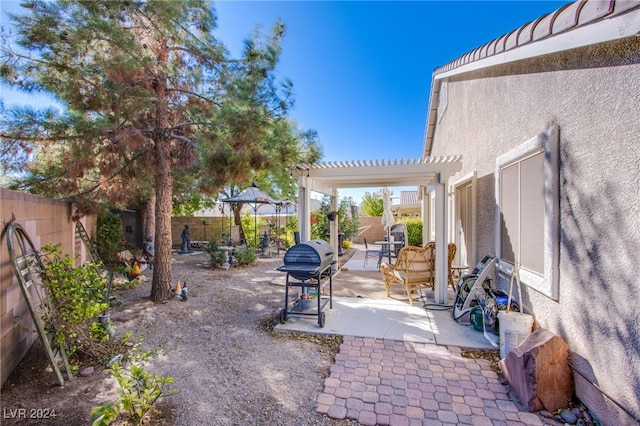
(616, 27)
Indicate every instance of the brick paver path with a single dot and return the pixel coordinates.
(386, 382)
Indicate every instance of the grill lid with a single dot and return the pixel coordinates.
(307, 259)
(314, 252)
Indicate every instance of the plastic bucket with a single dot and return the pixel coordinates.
(476, 316)
(514, 328)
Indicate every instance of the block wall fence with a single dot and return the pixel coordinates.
(45, 221)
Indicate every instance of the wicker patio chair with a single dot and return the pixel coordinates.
(452, 248)
(413, 270)
(452, 254)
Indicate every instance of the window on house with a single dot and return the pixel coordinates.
(527, 226)
(464, 222)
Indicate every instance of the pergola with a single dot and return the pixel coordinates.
(428, 174)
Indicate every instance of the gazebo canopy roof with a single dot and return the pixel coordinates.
(253, 194)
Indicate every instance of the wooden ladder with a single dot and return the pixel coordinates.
(27, 265)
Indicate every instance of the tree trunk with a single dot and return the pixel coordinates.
(237, 207)
(161, 285)
(149, 217)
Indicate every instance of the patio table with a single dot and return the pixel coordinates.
(386, 249)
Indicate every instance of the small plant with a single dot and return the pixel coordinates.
(217, 257)
(246, 256)
(99, 332)
(139, 391)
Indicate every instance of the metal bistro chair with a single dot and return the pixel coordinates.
(371, 253)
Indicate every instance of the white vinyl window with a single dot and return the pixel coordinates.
(528, 212)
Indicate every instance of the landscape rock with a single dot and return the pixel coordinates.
(538, 370)
(568, 416)
(86, 372)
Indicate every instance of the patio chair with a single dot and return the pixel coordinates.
(452, 248)
(371, 253)
(452, 254)
(414, 270)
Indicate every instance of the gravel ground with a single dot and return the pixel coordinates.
(228, 367)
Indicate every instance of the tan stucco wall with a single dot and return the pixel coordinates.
(593, 95)
(45, 221)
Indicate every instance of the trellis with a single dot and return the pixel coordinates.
(27, 266)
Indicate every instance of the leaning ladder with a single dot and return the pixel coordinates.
(91, 248)
(27, 266)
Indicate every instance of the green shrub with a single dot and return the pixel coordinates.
(414, 231)
(217, 257)
(77, 296)
(109, 238)
(245, 256)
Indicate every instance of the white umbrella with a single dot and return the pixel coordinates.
(387, 214)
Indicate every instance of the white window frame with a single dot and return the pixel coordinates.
(547, 141)
(470, 179)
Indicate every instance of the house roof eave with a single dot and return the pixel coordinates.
(573, 25)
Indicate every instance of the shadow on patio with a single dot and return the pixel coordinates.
(362, 309)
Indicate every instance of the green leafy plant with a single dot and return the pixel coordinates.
(99, 332)
(414, 231)
(76, 296)
(109, 239)
(347, 223)
(217, 257)
(245, 256)
(139, 391)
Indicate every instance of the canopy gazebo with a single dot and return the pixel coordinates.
(256, 198)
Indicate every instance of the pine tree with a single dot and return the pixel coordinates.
(152, 101)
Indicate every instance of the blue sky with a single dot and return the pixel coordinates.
(362, 70)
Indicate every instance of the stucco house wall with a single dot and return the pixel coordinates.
(592, 95)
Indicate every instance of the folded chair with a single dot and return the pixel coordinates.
(371, 253)
(414, 269)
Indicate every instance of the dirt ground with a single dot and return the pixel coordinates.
(228, 367)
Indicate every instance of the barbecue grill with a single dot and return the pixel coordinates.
(309, 266)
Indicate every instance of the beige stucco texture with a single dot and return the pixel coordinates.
(593, 95)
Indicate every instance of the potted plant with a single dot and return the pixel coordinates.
(332, 215)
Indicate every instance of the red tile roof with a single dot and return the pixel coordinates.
(568, 17)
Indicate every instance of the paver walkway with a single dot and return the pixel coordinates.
(387, 382)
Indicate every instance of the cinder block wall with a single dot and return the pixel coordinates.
(374, 232)
(200, 228)
(45, 221)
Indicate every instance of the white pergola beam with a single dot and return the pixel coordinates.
(326, 178)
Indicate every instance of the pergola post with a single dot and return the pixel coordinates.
(442, 255)
(334, 239)
(304, 211)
